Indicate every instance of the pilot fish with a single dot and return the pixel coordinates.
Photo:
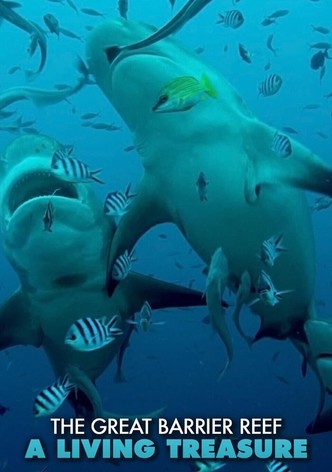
(281, 145)
(270, 86)
(51, 398)
(89, 334)
(71, 169)
(183, 93)
(231, 19)
(270, 249)
(116, 203)
(122, 266)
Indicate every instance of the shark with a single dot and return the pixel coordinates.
(62, 271)
(8, 13)
(253, 192)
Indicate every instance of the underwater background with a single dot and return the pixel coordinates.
(177, 364)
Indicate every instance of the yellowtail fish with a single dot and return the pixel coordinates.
(89, 334)
(183, 93)
(51, 398)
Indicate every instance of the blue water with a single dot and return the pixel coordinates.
(177, 365)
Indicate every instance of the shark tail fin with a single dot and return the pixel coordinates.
(208, 86)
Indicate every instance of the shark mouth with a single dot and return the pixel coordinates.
(39, 184)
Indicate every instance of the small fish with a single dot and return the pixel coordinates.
(72, 5)
(89, 334)
(322, 203)
(269, 44)
(282, 379)
(231, 19)
(30, 130)
(281, 145)
(52, 23)
(183, 93)
(275, 356)
(320, 29)
(129, 148)
(267, 66)
(122, 266)
(70, 34)
(72, 169)
(178, 265)
(116, 203)
(277, 466)
(90, 116)
(162, 236)
(321, 45)
(106, 126)
(3, 409)
(48, 217)
(278, 14)
(51, 398)
(267, 292)
(201, 185)
(204, 465)
(6, 114)
(270, 86)
(268, 22)
(289, 130)
(244, 53)
(61, 86)
(13, 69)
(322, 135)
(199, 50)
(145, 316)
(123, 8)
(270, 249)
(311, 106)
(318, 60)
(91, 12)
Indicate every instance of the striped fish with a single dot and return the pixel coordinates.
(183, 93)
(231, 19)
(277, 466)
(71, 169)
(267, 292)
(270, 249)
(122, 266)
(51, 398)
(116, 203)
(89, 334)
(270, 86)
(281, 145)
(48, 217)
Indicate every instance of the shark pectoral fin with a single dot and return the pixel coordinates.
(17, 324)
(140, 288)
(144, 212)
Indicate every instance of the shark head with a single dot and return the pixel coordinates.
(42, 258)
(149, 69)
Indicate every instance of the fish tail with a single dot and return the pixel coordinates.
(208, 86)
(119, 377)
(94, 176)
(127, 192)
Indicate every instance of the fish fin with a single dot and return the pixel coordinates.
(208, 86)
(119, 377)
(304, 169)
(139, 288)
(144, 212)
(17, 324)
(12, 5)
(94, 176)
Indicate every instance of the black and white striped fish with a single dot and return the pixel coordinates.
(281, 145)
(116, 203)
(48, 217)
(89, 334)
(122, 266)
(270, 86)
(71, 169)
(51, 398)
(231, 19)
(277, 466)
(267, 292)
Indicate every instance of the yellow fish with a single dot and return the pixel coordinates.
(183, 93)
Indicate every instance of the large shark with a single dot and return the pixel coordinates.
(62, 271)
(253, 193)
